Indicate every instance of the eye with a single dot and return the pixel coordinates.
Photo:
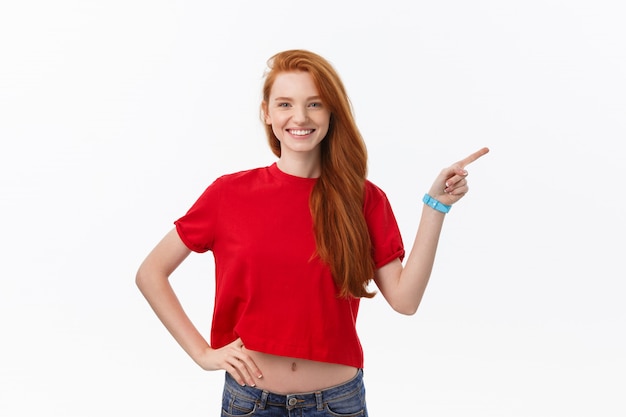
(316, 104)
(284, 104)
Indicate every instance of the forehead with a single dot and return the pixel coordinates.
(293, 84)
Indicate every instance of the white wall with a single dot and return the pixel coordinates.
(115, 115)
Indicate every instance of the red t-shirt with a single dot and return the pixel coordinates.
(271, 290)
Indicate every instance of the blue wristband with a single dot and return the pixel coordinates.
(435, 204)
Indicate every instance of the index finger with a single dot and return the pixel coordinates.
(466, 161)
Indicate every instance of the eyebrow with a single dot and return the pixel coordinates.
(312, 98)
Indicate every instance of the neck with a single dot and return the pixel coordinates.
(305, 168)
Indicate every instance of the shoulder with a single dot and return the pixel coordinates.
(373, 193)
(242, 177)
(234, 182)
(370, 187)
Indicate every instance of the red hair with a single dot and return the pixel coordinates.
(336, 202)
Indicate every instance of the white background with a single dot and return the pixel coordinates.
(115, 115)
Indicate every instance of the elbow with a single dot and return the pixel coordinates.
(405, 309)
(149, 279)
(403, 304)
(141, 279)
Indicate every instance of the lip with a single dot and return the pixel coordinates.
(292, 132)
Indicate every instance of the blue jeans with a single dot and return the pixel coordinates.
(347, 399)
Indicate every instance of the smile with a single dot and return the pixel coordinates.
(301, 132)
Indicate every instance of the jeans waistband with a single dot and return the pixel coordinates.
(299, 400)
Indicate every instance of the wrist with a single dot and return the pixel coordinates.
(435, 204)
(205, 360)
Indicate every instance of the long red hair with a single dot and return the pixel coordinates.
(336, 202)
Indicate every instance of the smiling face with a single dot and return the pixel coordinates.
(297, 115)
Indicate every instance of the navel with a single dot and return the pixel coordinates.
(293, 366)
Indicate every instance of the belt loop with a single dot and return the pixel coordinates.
(263, 400)
(319, 400)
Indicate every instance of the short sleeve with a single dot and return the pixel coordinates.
(197, 227)
(385, 235)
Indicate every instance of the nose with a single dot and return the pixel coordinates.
(300, 115)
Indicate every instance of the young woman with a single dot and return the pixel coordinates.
(296, 245)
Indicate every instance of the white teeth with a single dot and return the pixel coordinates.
(301, 132)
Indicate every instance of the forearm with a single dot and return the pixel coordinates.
(419, 264)
(161, 297)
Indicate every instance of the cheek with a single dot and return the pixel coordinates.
(326, 123)
(277, 131)
(275, 119)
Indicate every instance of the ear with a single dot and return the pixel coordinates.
(266, 117)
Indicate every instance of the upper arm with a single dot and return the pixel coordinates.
(387, 278)
(165, 257)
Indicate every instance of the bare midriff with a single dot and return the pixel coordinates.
(284, 375)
